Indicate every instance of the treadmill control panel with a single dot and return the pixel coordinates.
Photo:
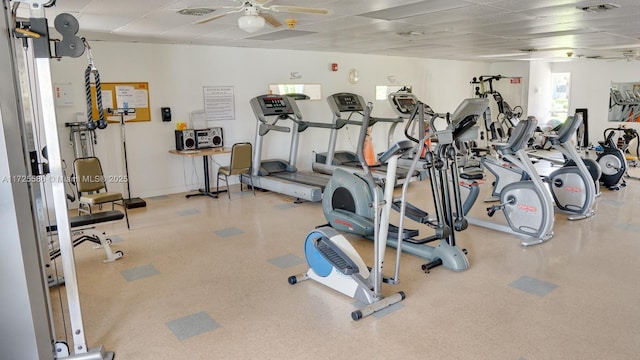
(275, 105)
(348, 102)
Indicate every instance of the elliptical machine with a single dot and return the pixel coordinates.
(441, 164)
(525, 203)
(346, 200)
(335, 263)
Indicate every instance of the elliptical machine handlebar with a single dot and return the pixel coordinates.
(366, 118)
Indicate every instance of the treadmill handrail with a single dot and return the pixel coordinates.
(387, 120)
(265, 128)
(304, 125)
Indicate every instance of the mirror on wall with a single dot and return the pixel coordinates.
(314, 91)
(624, 102)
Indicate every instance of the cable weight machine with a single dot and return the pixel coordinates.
(26, 204)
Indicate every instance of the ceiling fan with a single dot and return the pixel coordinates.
(256, 13)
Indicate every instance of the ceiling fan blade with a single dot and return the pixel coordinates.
(298, 9)
(211, 18)
(271, 20)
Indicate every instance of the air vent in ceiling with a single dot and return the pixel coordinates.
(411, 33)
(598, 8)
(195, 11)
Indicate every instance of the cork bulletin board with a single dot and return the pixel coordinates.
(120, 95)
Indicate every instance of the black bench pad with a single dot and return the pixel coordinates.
(90, 219)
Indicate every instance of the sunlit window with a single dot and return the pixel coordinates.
(560, 83)
(314, 91)
(382, 91)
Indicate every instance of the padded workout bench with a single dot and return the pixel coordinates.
(83, 229)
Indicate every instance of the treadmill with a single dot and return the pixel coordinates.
(279, 175)
(343, 106)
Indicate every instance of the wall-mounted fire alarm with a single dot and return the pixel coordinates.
(334, 67)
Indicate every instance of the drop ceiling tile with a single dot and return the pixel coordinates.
(102, 22)
(518, 5)
(282, 34)
(126, 8)
(456, 15)
(69, 6)
(356, 7)
(339, 24)
(550, 31)
(579, 41)
(419, 8)
(156, 24)
(492, 21)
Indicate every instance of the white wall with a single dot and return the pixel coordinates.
(590, 84)
(539, 100)
(177, 73)
(518, 95)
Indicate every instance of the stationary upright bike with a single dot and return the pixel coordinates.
(612, 162)
(334, 262)
(572, 186)
(526, 204)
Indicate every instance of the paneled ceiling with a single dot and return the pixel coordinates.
(475, 30)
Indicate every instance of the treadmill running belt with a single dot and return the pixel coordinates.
(303, 178)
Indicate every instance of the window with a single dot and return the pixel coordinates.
(382, 91)
(560, 83)
(314, 91)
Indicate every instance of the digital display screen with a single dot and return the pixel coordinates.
(348, 100)
(406, 103)
(274, 102)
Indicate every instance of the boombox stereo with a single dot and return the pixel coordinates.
(185, 140)
(209, 138)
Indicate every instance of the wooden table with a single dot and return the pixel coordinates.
(205, 157)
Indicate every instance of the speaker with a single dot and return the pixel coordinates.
(209, 138)
(216, 134)
(185, 140)
(166, 113)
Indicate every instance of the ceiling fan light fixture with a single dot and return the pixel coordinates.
(251, 23)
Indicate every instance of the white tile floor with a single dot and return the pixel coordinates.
(206, 278)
